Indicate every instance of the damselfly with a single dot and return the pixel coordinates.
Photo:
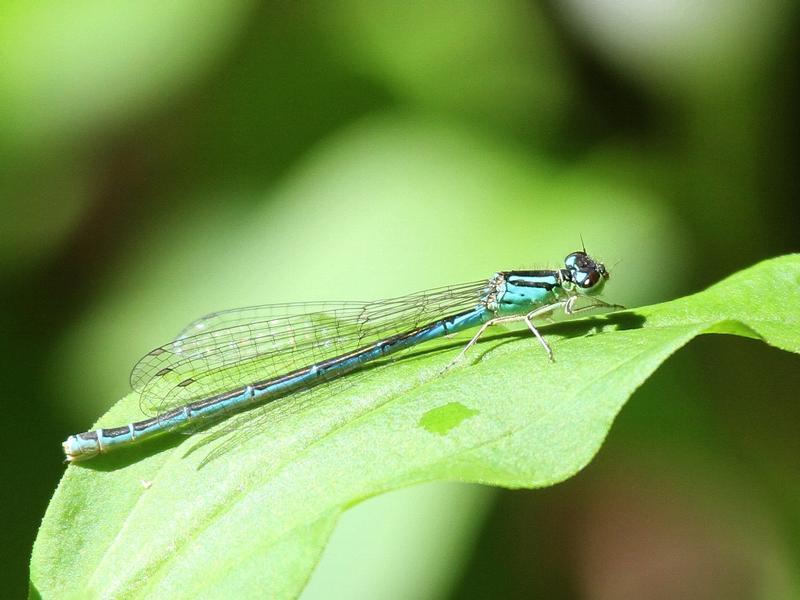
(235, 360)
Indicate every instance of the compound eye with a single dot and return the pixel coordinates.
(592, 278)
(576, 260)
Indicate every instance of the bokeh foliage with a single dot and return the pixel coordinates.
(161, 162)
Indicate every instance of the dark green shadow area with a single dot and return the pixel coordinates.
(618, 321)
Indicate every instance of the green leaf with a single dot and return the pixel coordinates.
(153, 521)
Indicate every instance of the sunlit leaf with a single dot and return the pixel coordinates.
(152, 521)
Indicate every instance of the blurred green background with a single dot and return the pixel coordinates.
(161, 160)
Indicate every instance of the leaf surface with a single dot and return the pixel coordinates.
(157, 520)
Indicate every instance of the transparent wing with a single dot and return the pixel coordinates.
(228, 350)
(252, 314)
(239, 428)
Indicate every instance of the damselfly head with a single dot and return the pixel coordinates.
(585, 273)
